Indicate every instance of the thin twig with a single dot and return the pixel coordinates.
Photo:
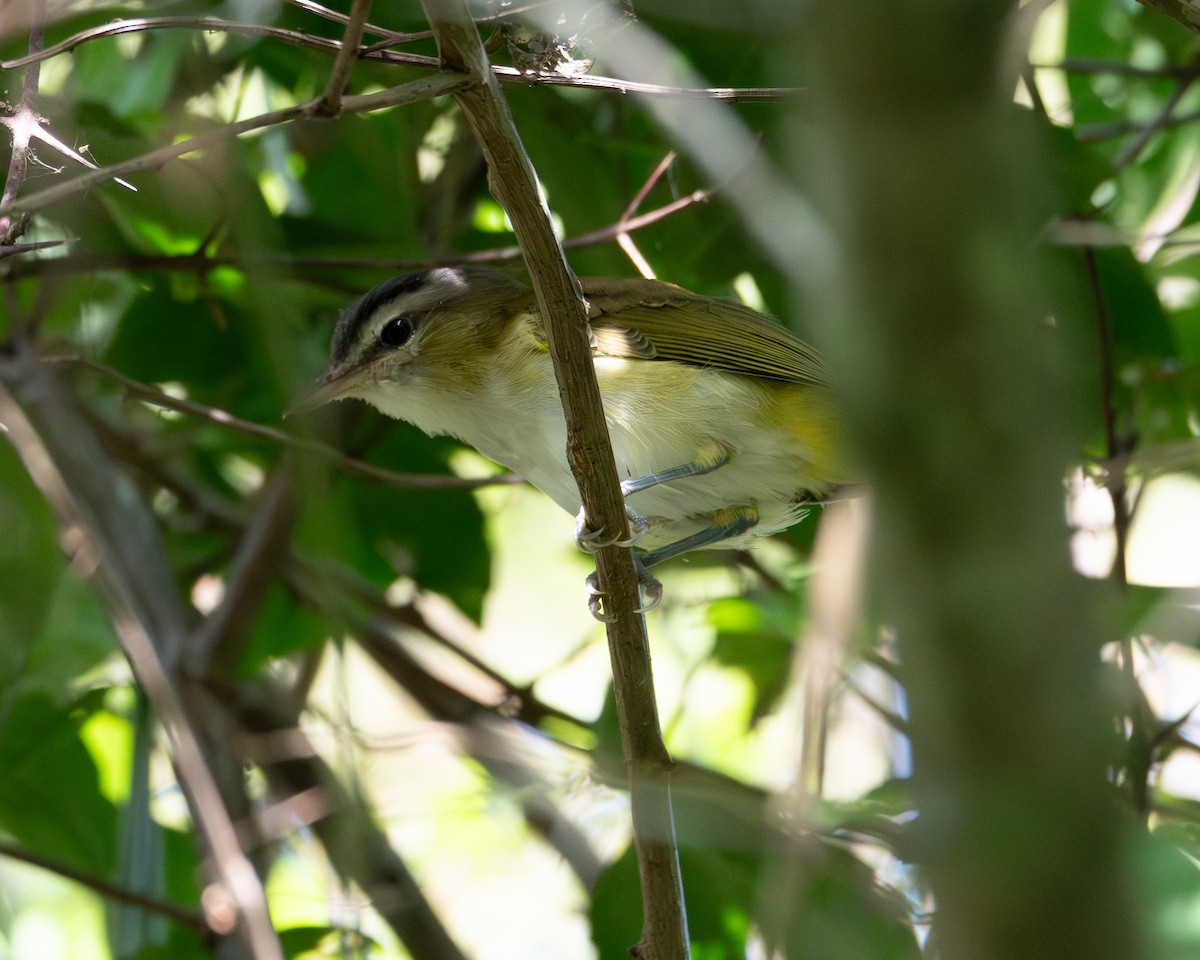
(390, 36)
(159, 398)
(1095, 132)
(199, 262)
(1085, 65)
(1128, 153)
(384, 55)
(187, 916)
(216, 646)
(343, 63)
(426, 88)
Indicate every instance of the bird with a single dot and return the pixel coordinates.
(723, 424)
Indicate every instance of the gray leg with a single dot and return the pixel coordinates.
(726, 524)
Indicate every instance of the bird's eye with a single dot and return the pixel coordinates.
(397, 331)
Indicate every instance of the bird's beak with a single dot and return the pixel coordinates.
(333, 384)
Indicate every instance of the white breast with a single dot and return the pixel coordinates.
(522, 428)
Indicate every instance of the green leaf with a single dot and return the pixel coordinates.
(757, 636)
(283, 627)
(30, 566)
(50, 797)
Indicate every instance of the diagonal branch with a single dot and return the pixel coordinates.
(223, 418)
(102, 518)
(187, 916)
(589, 452)
(424, 89)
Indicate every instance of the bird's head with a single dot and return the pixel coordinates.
(436, 330)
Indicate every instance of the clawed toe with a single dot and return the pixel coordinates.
(650, 590)
(589, 540)
(595, 595)
(651, 587)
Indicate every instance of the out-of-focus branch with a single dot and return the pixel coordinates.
(1186, 12)
(589, 452)
(424, 89)
(107, 889)
(964, 420)
(214, 649)
(356, 847)
(160, 398)
(103, 522)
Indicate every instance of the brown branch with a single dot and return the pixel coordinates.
(1128, 153)
(331, 103)
(390, 36)
(356, 847)
(589, 453)
(215, 648)
(186, 916)
(479, 724)
(200, 262)
(1087, 65)
(1186, 12)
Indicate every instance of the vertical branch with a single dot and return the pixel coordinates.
(1139, 738)
(1115, 447)
(20, 126)
(331, 102)
(589, 452)
(965, 421)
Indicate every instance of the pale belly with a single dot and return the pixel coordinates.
(696, 411)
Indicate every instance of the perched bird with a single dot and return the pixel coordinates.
(722, 422)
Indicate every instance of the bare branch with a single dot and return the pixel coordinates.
(377, 53)
(21, 126)
(187, 916)
(215, 648)
(356, 847)
(343, 63)
(589, 452)
(160, 398)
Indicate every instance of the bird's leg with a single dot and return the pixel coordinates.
(708, 458)
(725, 524)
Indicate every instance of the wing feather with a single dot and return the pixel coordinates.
(649, 319)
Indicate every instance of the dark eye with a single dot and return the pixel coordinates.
(397, 331)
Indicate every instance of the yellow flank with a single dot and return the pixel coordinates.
(731, 516)
(808, 414)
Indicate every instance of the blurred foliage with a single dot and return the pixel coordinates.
(218, 280)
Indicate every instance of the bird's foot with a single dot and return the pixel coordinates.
(650, 591)
(589, 540)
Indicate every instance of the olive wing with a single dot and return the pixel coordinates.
(649, 319)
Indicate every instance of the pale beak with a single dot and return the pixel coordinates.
(331, 385)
